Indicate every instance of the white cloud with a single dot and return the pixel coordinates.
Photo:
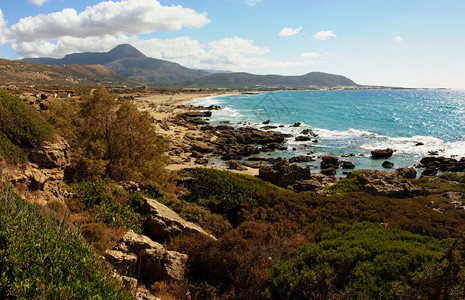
(398, 38)
(286, 31)
(4, 31)
(108, 18)
(235, 54)
(252, 2)
(324, 35)
(310, 54)
(38, 2)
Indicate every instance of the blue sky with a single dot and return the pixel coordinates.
(410, 43)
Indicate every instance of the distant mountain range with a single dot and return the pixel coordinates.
(128, 62)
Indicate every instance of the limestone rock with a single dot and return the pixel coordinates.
(284, 175)
(135, 243)
(163, 223)
(137, 256)
(158, 265)
(389, 184)
(51, 155)
(124, 264)
(409, 173)
(235, 165)
(202, 147)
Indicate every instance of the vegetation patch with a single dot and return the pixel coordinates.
(360, 261)
(40, 260)
(21, 127)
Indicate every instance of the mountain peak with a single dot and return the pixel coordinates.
(124, 51)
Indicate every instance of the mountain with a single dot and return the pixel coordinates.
(251, 81)
(127, 61)
(24, 73)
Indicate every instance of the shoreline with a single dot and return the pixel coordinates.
(181, 125)
(164, 108)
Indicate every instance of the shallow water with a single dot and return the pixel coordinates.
(356, 122)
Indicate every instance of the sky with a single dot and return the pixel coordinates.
(404, 43)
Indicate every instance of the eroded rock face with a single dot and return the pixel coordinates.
(51, 155)
(137, 256)
(42, 179)
(389, 184)
(163, 223)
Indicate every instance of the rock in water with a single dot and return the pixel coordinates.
(381, 153)
(388, 164)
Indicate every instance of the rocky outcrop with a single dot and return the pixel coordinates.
(301, 158)
(389, 184)
(317, 182)
(347, 165)
(434, 164)
(41, 179)
(283, 174)
(328, 161)
(382, 153)
(136, 258)
(163, 223)
(235, 165)
(51, 155)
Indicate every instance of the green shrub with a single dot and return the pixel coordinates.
(11, 152)
(360, 261)
(192, 212)
(347, 185)
(21, 124)
(39, 260)
(21, 127)
(110, 204)
(226, 192)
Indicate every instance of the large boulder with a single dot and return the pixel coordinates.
(328, 161)
(158, 265)
(409, 173)
(283, 174)
(382, 153)
(163, 223)
(389, 184)
(137, 256)
(202, 147)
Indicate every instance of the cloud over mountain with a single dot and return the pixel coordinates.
(108, 18)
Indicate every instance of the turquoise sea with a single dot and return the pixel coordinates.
(412, 122)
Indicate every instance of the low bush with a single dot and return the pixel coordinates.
(40, 260)
(21, 128)
(109, 204)
(360, 261)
